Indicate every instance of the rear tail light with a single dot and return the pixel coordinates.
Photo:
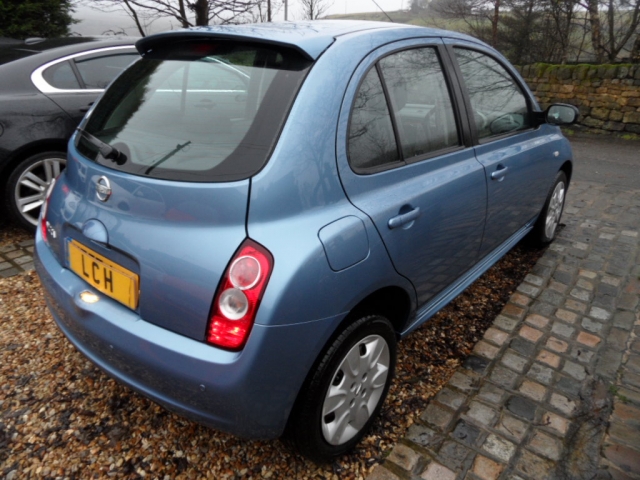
(43, 211)
(236, 303)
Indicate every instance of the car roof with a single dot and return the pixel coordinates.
(310, 38)
(50, 48)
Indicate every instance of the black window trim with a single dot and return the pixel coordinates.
(466, 99)
(458, 104)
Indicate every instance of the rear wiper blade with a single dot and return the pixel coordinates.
(167, 156)
(106, 150)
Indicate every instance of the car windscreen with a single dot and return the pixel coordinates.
(195, 111)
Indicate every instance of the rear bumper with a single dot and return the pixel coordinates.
(248, 393)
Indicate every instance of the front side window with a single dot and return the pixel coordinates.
(498, 104)
(197, 111)
(421, 102)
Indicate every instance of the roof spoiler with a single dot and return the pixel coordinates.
(147, 44)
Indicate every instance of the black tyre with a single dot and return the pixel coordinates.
(346, 390)
(545, 228)
(28, 183)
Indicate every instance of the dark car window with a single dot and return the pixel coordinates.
(61, 76)
(421, 102)
(181, 113)
(498, 104)
(372, 143)
(98, 72)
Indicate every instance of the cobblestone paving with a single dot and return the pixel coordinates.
(16, 258)
(553, 389)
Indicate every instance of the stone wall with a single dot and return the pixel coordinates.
(608, 96)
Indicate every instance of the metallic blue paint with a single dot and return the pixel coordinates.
(167, 229)
(95, 230)
(215, 387)
(345, 242)
(326, 227)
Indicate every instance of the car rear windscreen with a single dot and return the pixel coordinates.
(198, 111)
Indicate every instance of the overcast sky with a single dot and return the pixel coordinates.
(93, 22)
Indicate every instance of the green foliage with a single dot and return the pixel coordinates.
(35, 18)
(630, 136)
(613, 390)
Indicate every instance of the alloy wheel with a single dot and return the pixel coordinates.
(32, 186)
(556, 202)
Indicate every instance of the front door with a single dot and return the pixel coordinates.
(509, 147)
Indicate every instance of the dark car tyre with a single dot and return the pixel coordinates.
(545, 228)
(346, 391)
(28, 184)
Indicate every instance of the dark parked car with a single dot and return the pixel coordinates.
(46, 87)
(252, 216)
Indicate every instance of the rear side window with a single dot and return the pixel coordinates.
(61, 76)
(421, 101)
(498, 104)
(98, 72)
(403, 100)
(197, 111)
(372, 144)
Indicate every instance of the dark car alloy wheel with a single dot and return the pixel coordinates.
(28, 185)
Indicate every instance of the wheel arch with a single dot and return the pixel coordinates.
(392, 302)
(567, 168)
(34, 148)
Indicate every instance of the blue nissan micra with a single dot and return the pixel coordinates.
(251, 216)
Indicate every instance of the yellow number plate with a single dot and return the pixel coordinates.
(104, 275)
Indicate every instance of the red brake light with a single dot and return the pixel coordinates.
(43, 212)
(238, 297)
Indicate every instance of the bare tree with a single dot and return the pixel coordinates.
(563, 17)
(614, 24)
(188, 13)
(538, 30)
(482, 17)
(265, 10)
(593, 8)
(551, 30)
(635, 51)
(313, 9)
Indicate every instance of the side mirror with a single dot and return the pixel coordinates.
(561, 114)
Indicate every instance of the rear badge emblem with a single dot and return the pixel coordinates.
(103, 189)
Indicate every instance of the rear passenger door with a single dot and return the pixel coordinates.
(507, 143)
(405, 163)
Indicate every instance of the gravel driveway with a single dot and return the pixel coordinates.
(61, 417)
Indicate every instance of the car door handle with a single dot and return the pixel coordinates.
(499, 173)
(403, 219)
